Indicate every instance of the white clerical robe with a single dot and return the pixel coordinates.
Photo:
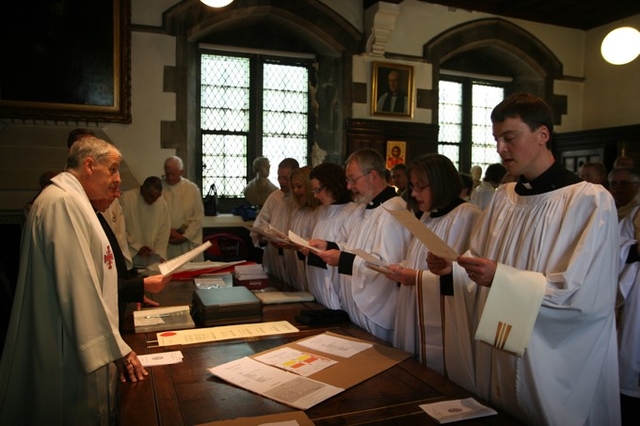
(419, 326)
(57, 365)
(186, 209)
(277, 212)
(303, 220)
(369, 296)
(568, 374)
(147, 224)
(629, 326)
(331, 225)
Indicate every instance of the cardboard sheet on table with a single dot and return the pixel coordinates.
(348, 372)
(424, 234)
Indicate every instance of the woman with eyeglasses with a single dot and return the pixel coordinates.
(440, 337)
(329, 187)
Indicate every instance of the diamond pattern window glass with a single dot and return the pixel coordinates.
(285, 114)
(250, 107)
(483, 146)
(465, 131)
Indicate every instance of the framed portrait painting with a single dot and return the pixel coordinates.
(66, 60)
(396, 153)
(392, 89)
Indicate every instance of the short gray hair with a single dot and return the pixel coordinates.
(89, 147)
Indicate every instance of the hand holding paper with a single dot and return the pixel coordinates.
(296, 239)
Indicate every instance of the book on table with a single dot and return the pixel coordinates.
(163, 319)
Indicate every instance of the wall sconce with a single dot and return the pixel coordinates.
(621, 46)
(217, 3)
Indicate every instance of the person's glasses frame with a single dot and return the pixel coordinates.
(353, 181)
(418, 188)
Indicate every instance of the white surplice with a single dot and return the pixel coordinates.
(277, 212)
(370, 297)
(147, 224)
(568, 374)
(331, 225)
(302, 222)
(57, 365)
(419, 327)
(629, 326)
(186, 209)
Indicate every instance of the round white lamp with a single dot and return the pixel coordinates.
(217, 3)
(621, 46)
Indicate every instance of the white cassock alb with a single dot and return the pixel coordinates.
(568, 374)
(186, 209)
(302, 222)
(369, 296)
(147, 224)
(57, 365)
(481, 194)
(419, 326)
(277, 212)
(331, 225)
(115, 218)
(629, 327)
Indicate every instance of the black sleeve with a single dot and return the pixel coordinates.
(633, 255)
(446, 285)
(315, 260)
(345, 264)
(131, 289)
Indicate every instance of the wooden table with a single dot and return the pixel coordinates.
(187, 394)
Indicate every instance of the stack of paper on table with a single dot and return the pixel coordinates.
(304, 373)
(163, 318)
(251, 276)
(456, 410)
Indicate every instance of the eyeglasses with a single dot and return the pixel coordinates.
(317, 190)
(418, 188)
(353, 181)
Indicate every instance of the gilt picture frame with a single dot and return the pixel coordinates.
(392, 89)
(68, 61)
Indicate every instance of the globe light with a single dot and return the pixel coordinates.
(217, 3)
(621, 46)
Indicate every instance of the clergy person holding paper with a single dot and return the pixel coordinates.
(434, 321)
(369, 297)
(547, 247)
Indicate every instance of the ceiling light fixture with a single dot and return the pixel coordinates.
(217, 3)
(621, 46)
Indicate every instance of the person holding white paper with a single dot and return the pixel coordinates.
(368, 296)
(422, 327)
(329, 186)
(276, 212)
(303, 219)
(551, 229)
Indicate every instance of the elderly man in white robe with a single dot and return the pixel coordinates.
(555, 234)
(276, 212)
(369, 296)
(184, 200)
(148, 222)
(63, 349)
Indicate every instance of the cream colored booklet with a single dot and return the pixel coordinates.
(456, 410)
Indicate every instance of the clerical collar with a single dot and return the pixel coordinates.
(386, 194)
(452, 205)
(555, 177)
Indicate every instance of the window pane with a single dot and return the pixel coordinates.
(224, 120)
(450, 119)
(483, 147)
(285, 114)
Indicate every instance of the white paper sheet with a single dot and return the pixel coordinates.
(225, 332)
(344, 348)
(302, 363)
(282, 386)
(163, 358)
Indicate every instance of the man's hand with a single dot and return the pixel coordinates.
(438, 265)
(145, 251)
(175, 237)
(480, 270)
(155, 283)
(330, 257)
(404, 276)
(130, 368)
(319, 244)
